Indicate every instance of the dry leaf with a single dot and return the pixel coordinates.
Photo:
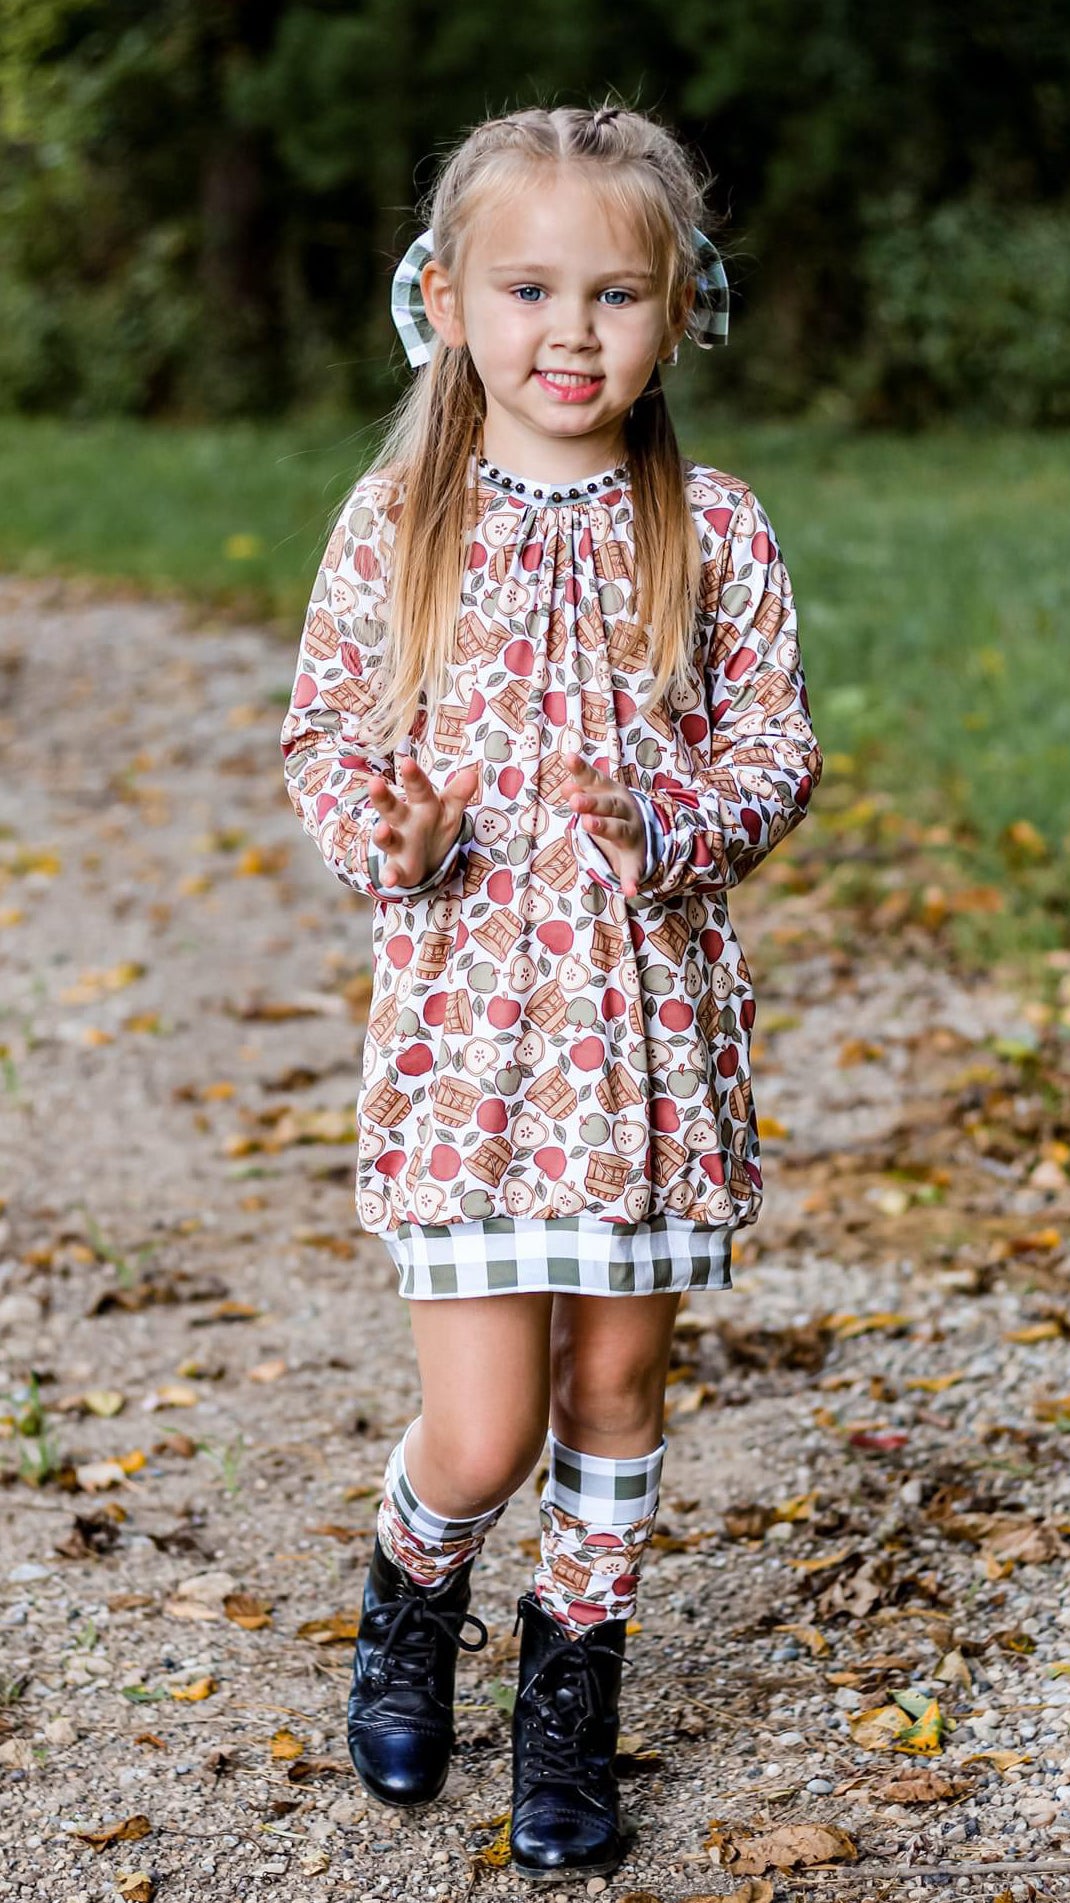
(97, 1475)
(846, 1327)
(794, 1847)
(924, 1738)
(134, 1886)
(303, 1769)
(953, 1670)
(103, 1401)
(171, 1394)
(815, 1642)
(267, 1370)
(339, 1626)
(878, 1728)
(496, 1855)
(127, 1831)
(936, 1383)
(824, 1562)
(923, 1786)
(248, 1612)
(285, 1746)
(1002, 1759)
(193, 1694)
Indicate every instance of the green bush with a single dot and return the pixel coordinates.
(969, 311)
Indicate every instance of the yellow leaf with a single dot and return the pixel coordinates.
(104, 1402)
(193, 1694)
(95, 1038)
(98, 984)
(815, 1642)
(339, 1626)
(1060, 1668)
(799, 1507)
(218, 1093)
(247, 1611)
(97, 1475)
(261, 861)
(271, 1370)
(39, 859)
(1035, 1331)
(496, 1855)
(132, 1462)
(878, 1728)
(936, 1383)
(171, 1394)
(846, 1327)
(1023, 841)
(285, 1746)
(127, 1831)
(822, 1564)
(143, 1021)
(772, 1127)
(1002, 1759)
(134, 1886)
(925, 1736)
(858, 1050)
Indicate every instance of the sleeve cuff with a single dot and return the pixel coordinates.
(590, 854)
(377, 866)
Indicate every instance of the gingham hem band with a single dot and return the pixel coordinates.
(428, 1527)
(603, 1491)
(708, 323)
(506, 1255)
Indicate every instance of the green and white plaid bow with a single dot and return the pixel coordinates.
(710, 314)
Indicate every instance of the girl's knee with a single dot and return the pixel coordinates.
(479, 1474)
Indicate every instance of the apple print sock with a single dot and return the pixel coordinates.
(423, 1544)
(597, 1516)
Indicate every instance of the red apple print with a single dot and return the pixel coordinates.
(503, 1013)
(444, 1162)
(586, 546)
(391, 1163)
(719, 519)
(350, 658)
(739, 662)
(589, 1053)
(753, 1172)
(519, 657)
(477, 707)
(675, 1014)
(462, 935)
(713, 1164)
(552, 1162)
(762, 548)
(614, 1003)
(365, 563)
(531, 557)
(305, 690)
(500, 886)
(582, 1612)
(712, 944)
(556, 935)
(573, 590)
(664, 1115)
(624, 1587)
(746, 1013)
(751, 823)
(399, 950)
(728, 1061)
(510, 781)
(701, 853)
(694, 728)
(804, 789)
(555, 707)
(325, 804)
(434, 1007)
(414, 1060)
(623, 706)
(492, 1116)
(477, 555)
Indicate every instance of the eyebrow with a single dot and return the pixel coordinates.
(541, 271)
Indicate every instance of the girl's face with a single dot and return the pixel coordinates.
(564, 322)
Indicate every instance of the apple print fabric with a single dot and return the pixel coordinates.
(556, 1088)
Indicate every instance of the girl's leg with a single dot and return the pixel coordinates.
(484, 1373)
(609, 1360)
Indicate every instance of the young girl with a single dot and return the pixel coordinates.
(549, 707)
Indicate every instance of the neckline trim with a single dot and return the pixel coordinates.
(544, 492)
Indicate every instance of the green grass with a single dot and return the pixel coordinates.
(934, 599)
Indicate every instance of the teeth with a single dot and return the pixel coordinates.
(568, 376)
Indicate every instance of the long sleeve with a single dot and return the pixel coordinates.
(327, 767)
(761, 761)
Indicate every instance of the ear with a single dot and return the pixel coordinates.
(441, 304)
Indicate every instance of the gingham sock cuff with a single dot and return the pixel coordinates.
(601, 1491)
(428, 1527)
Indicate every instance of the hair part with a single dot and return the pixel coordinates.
(647, 177)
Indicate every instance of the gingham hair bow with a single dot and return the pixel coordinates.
(709, 317)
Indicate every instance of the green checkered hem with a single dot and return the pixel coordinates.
(603, 1491)
(580, 1255)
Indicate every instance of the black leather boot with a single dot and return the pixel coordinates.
(400, 1721)
(566, 1813)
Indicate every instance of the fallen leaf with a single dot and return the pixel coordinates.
(314, 1863)
(1003, 1759)
(824, 1562)
(91, 1535)
(936, 1383)
(171, 1394)
(887, 1440)
(98, 984)
(285, 1746)
(243, 1609)
(815, 1642)
(923, 1786)
(267, 1370)
(202, 1596)
(104, 1402)
(303, 1769)
(193, 1694)
(878, 1728)
(150, 1738)
(97, 1475)
(496, 1855)
(134, 1886)
(793, 1847)
(339, 1626)
(953, 1670)
(924, 1738)
(127, 1831)
(847, 1327)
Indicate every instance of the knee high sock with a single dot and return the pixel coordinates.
(423, 1544)
(596, 1516)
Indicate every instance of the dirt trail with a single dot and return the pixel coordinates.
(183, 995)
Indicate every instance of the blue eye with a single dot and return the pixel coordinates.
(521, 288)
(625, 294)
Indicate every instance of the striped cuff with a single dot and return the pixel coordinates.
(590, 853)
(377, 865)
(601, 1491)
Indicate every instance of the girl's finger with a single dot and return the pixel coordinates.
(619, 831)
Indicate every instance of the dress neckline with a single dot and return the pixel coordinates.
(530, 489)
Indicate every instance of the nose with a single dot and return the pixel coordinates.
(573, 326)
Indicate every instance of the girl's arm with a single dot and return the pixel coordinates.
(327, 767)
(764, 760)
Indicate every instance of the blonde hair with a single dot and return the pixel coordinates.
(645, 174)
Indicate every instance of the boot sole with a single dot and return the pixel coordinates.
(565, 1871)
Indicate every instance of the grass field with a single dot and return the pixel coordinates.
(930, 574)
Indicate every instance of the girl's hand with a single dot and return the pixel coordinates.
(615, 821)
(417, 826)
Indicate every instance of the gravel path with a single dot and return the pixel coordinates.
(865, 1491)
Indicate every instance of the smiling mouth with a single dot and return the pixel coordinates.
(569, 376)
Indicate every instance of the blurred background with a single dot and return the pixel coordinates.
(202, 202)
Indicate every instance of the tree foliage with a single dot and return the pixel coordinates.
(201, 201)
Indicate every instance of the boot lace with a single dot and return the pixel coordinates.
(565, 1697)
(409, 1630)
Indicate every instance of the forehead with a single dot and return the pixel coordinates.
(557, 221)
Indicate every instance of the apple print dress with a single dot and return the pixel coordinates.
(556, 1087)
